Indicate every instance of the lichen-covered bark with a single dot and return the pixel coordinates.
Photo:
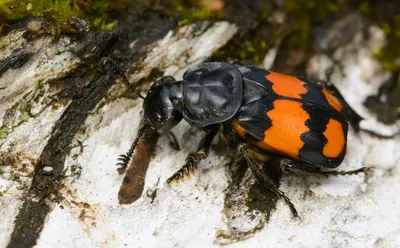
(47, 178)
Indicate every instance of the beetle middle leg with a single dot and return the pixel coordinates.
(193, 159)
(301, 168)
(264, 179)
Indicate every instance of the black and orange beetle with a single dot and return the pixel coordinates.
(262, 113)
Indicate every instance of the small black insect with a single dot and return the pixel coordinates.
(261, 112)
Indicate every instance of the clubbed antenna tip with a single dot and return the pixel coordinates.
(124, 159)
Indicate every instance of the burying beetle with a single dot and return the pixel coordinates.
(262, 113)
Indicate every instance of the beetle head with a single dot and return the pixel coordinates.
(162, 105)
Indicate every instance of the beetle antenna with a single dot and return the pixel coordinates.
(126, 158)
(118, 70)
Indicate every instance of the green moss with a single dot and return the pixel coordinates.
(389, 55)
(59, 12)
(382, 15)
(4, 132)
(96, 12)
(25, 111)
(196, 12)
(75, 171)
(306, 14)
(2, 42)
(253, 46)
(22, 111)
(25, 116)
(223, 234)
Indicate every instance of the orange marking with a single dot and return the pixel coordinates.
(335, 136)
(285, 85)
(288, 123)
(333, 101)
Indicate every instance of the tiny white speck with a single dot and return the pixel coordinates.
(47, 169)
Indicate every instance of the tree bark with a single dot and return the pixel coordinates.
(65, 119)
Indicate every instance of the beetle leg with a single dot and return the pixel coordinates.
(300, 168)
(351, 115)
(264, 179)
(193, 159)
(173, 141)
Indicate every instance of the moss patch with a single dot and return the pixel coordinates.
(193, 11)
(385, 14)
(4, 132)
(305, 15)
(63, 15)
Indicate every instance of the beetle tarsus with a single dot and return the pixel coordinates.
(193, 160)
(300, 168)
(355, 172)
(188, 169)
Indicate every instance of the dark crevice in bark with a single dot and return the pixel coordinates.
(17, 59)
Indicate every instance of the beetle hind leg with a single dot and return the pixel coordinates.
(265, 179)
(300, 168)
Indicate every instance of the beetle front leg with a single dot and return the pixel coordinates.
(300, 168)
(264, 179)
(351, 115)
(193, 159)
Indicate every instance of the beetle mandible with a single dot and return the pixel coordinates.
(261, 112)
